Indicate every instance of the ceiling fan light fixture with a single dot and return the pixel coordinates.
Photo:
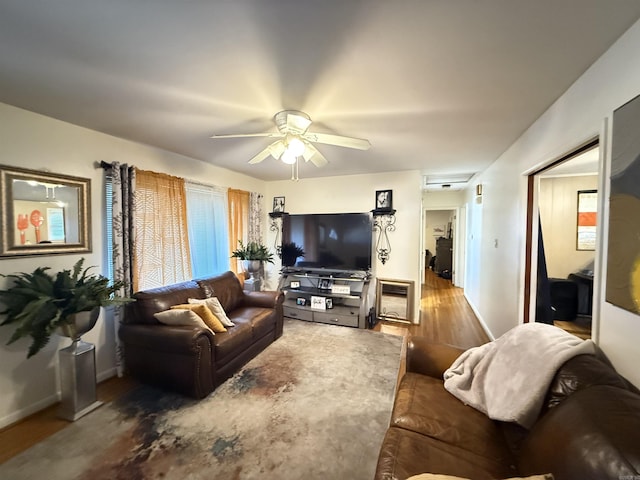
(295, 146)
(288, 157)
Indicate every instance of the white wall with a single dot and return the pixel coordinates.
(356, 193)
(33, 141)
(498, 224)
(558, 203)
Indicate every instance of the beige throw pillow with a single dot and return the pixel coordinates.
(205, 314)
(214, 305)
(181, 317)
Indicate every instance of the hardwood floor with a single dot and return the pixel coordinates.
(27, 432)
(445, 317)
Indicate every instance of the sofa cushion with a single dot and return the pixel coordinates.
(235, 340)
(262, 320)
(159, 299)
(226, 288)
(424, 406)
(595, 433)
(214, 305)
(205, 314)
(405, 453)
(181, 317)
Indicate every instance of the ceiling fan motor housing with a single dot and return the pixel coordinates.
(296, 126)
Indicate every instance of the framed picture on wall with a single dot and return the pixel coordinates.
(278, 204)
(587, 221)
(384, 199)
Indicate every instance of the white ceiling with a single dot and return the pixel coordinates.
(441, 86)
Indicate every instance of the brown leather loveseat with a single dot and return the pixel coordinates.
(189, 359)
(589, 427)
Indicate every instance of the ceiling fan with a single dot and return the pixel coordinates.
(295, 140)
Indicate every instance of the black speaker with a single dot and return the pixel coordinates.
(564, 298)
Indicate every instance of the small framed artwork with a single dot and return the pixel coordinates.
(384, 199)
(278, 204)
(325, 284)
(318, 303)
(329, 303)
(587, 221)
(294, 284)
(439, 231)
(301, 301)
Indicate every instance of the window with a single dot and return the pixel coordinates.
(208, 229)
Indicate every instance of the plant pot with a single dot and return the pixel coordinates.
(288, 259)
(253, 267)
(78, 367)
(79, 324)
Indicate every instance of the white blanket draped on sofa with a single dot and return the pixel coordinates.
(507, 379)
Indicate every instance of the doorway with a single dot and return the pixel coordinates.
(561, 241)
(439, 233)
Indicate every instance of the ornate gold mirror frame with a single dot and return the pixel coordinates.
(43, 213)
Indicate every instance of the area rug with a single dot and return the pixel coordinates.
(314, 405)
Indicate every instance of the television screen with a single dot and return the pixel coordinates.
(336, 241)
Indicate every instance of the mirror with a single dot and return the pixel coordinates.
(394, 300)
(43, 213)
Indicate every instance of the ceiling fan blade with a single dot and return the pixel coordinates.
(276, 149)
(261, 155)
(245, 135)
(297, 124)
(338, 140)
(312, 153)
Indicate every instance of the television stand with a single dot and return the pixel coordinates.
(337, 298)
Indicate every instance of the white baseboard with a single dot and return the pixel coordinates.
(102, 376)
(480, 319)
(48, 401)
(29, 410)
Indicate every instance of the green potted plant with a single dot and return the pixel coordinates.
(290, 252)
(40, 304)
(252, 254)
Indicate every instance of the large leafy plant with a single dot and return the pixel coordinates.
(38, 303)
(252, 251)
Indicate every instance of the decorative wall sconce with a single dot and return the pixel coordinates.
(384, 222)
(479, 190)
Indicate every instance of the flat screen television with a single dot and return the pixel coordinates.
(332, 241)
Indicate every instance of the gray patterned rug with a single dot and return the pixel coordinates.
(314, 405)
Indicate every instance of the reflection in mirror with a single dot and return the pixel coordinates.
(43, 213)
(394, 300)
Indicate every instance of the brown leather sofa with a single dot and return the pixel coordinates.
(192, 360)
(589, 427)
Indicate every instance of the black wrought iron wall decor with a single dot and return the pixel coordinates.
(275, 225)
(383, 222)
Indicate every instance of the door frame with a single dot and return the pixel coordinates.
(459, 242)
(531, 246)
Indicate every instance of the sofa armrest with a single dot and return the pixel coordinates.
(167, 338)
(173, 357)
(430, 359)
(266, 299)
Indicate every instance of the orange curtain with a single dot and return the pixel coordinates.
(161, 243)
(238, 224)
